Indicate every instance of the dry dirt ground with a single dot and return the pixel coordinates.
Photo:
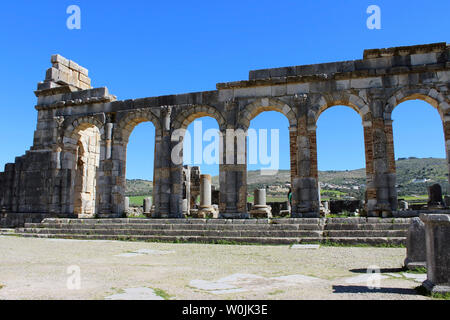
(75, 269)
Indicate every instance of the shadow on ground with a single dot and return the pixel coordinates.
(365, 289)
(382, 270)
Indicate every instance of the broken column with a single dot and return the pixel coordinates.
(260, 209)
(437, 239)
(126, 205)
(403, 205)
(185, 207)
(435, 197)
(147, 206)
(205, 209)
(415, 245)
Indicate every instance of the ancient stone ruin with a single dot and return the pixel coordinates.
(76, 165)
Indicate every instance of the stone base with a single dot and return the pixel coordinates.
(233, 215)
(261, 212)
(148, 214)
(305, 215)
(412, 265)
(86, 216)
(108, 215)
(284, 213)
(433, 288)
(379, 214)
(208, 212)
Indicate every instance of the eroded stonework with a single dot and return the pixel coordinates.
(67, 173)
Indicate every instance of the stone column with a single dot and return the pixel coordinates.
(392, 176)
(305, 200)
(111, 182)
(126, 208)
(293, 151)
(260, 209)
(446, 126)
(380, 181)
(206, 209)
(233, 174)
(163, 178)
(147, 206)
(415, 245)
(437, 239)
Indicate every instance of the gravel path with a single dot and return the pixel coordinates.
(33, 268)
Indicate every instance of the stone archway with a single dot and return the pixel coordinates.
(125, 123)
(183, 175)
(433, 97)
(82, 147)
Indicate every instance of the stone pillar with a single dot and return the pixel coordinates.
(293, 151)
(111, 183)
(186, 190)
(415, 245)
(435, 200)
(260, 209)
(206, 209)
(446, 126)
(167, 176)
(185, 207)
(305, 200)
(437, 239)
(392, 176)
(147, 206)
(381, 194)
(233, 175)
(126, 208)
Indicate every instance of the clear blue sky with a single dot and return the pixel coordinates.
(150, 48)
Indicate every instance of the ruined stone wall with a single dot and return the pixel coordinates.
(372, 86)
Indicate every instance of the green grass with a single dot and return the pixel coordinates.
(412, 198)
(138, 201)
(270, 199)
(161, 293)
(424, 292)
(328, 243)
(417, 270)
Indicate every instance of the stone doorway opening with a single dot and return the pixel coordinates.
(341, 162)
(269, 164)
(86, 167)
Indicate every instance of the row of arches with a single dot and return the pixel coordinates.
(88, 156)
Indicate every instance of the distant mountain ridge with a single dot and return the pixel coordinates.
(413, 177)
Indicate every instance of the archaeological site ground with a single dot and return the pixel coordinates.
(206, 160)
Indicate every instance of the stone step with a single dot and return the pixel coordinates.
(185, 221)
(154, 238)
(367, 226)
(140, 226)
(205, 233)
(362, 220)
(372, 241)
(364, 233)
(7, 231)
(348, 231)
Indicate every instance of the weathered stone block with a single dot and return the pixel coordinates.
(415, 245)
(437, 237)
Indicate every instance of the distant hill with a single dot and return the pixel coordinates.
(138, 187)
(413, 177)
